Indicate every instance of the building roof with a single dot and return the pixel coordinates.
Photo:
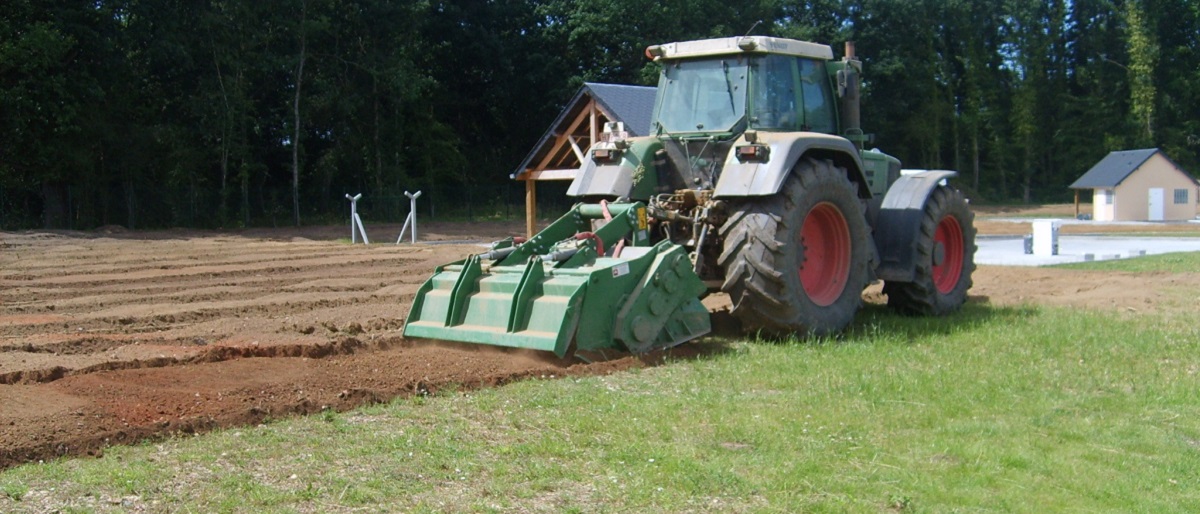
(1115, 167)
(632, 105)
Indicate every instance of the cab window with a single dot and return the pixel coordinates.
(818, 97)
(790, 94)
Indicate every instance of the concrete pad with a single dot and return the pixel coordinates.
(1010, 250)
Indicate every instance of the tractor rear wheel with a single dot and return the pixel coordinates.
(945, 258)
(797, 262)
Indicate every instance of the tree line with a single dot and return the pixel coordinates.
(222, 113)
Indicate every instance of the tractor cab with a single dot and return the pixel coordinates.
(732, 117)
(727, 86)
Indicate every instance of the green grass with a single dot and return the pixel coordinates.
(996, 409)
(1182, 262)
(1156, 234)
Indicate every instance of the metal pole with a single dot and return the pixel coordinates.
(361, 229)
(412, 209)
(354, 217)
(403, 229)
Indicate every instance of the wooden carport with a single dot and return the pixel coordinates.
(560, 152)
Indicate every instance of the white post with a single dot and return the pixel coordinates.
(412, 209)
(354, 219)
(362, 230)
(1045, 237)
(412, 217)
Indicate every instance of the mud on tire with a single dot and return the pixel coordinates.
(780, 276)
(945, 258)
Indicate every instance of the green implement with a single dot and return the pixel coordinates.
(569, 286)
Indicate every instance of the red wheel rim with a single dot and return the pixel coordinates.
(825, 238)
(948, 269)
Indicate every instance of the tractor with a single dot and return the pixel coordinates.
(756, 182)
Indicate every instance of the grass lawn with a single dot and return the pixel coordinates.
(996, 409)
(1182, 262)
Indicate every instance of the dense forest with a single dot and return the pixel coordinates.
(225, 113)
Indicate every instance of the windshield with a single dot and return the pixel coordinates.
(702, 96)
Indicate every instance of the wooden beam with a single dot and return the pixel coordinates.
(562, 140)
(560, 174)
(591, 113)
(575, 148)
(591, 124)
(1076, 204)
(530, 208)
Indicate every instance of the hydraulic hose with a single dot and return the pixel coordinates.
(496, 255)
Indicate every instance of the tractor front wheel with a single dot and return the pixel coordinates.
(797, 262)
(945, 258)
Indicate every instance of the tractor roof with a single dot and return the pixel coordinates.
(738, 45)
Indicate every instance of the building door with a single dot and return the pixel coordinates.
(1157, 196)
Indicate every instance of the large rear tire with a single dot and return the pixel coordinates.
(945, 258)
(797, 262)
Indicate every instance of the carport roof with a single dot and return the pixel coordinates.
(633, 105)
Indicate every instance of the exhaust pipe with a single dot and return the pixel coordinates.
(849, 82)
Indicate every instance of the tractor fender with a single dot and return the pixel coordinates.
(786, 148)
(898, 222)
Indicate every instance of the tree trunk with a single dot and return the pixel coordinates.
(296, 119)
(1003, 166)
(375, 138)
(130, 204)
(54, 211)
(245, 196)
(225, 133)
(975, 159)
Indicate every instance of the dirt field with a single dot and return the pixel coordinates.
(109, 337)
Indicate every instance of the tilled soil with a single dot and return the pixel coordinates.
(111, 337)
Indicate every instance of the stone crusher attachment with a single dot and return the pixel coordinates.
(570, 287)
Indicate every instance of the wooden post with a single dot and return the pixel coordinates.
(530, 207)
(1076, 204)
(591, 123)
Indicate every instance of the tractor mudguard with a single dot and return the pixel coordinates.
(632, 176)
(899, 222)
(786, 148)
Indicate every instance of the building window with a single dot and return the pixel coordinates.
(1181, 197)
(1104, 196)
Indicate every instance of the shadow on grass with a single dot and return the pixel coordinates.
(727, 332)
(871, 321)
(875, 319)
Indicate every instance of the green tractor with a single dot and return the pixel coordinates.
(755, 183)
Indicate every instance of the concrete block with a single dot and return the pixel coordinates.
(1045, 237)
